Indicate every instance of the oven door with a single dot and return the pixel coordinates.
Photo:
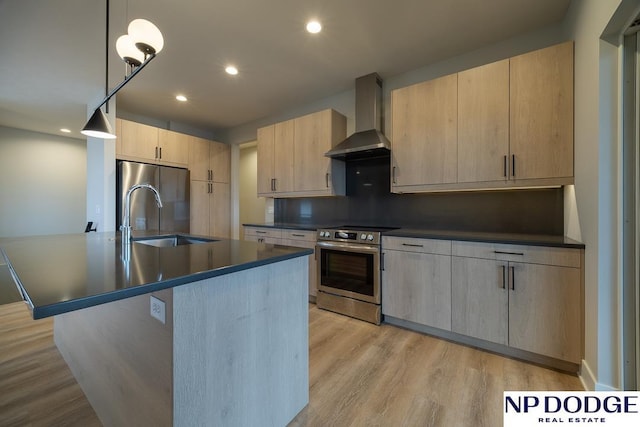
(349, 270)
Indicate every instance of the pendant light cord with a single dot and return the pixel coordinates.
(106, 58)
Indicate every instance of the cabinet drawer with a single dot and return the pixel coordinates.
(275, 233)
(306, 235)
(565, 257)
(409, 244)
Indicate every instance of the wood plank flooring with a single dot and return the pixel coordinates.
(360, 375)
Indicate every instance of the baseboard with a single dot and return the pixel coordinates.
(589, 380)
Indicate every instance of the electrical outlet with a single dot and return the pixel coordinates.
(157, 309)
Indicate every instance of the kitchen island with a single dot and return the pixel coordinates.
(212, 333)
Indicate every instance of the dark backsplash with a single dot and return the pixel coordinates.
(369, 202)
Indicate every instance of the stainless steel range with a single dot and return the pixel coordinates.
(349, 271)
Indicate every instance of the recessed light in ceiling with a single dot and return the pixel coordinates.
(181, 98)
(65, 130)
(314, 27)
(230, 69)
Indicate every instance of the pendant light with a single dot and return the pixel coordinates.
(137, 48)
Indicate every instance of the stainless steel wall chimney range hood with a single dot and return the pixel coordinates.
(368, 140)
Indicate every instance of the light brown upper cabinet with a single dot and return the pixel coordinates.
(424, 134)
(315, 134)
(275, 159)
(291, 161)
(149, 144)
(514, 126)
(541, 123)
(483, 123)
(209, 160)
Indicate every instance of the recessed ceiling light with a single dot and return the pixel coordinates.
(181, 98)
(314, 27)
(65, 130)
(230, 69)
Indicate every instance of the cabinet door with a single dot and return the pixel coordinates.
(266, 151)
(424, 121)
(541, 123)
(139, 141)
(417, 287)
(220, 157)
(199, 207)
(544, 310)
(313, 137)
(479, 299)
(220, 210)
(283, 156)
(313, 273)
(174, 148)
(199, 159)
(483, 123)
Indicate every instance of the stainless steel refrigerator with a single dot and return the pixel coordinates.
(173, 185)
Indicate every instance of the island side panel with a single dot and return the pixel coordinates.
(122, 359)
(241, 347)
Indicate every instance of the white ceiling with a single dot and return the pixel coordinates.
(52, 53)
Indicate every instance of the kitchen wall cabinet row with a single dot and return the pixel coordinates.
(291, 161)
(520, 297)
(284, 236)
(504, 124)
(209, 164)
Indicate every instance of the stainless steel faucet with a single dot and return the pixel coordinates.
(126, 222)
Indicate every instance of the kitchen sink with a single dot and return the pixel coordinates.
(171, 240)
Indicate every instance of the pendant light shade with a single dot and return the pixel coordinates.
(146, 36)
(98, 126)
(128, 51)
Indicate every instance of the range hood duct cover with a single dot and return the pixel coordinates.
(368, 140)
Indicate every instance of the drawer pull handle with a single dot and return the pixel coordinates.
(297, 235)
(412, 245)
(260, 232)
(509, 253)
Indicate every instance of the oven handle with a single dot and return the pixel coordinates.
(346, 247)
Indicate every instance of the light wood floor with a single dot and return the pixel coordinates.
(360, 375)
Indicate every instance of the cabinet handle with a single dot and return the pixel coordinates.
(513, 278)
(275, 184)
(382, 261)
(393, 175)
(160, 151)
(260, 240)
(513, 165)
(326, 178)
(509, 253)
(260, 232)
(504, 166)
(156, 155)
(412, 245)
(504, 279)
(297, 235)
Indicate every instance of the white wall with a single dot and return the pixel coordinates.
(594, 206)
(42, 183)
(252, 208)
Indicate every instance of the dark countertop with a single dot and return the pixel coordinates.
(63, 273)
(470, 236)
(473, 236)
(290, 226)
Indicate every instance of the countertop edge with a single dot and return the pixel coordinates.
(463, 236)
(41, 312)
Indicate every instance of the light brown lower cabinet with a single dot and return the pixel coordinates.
(288, 237)
(524, 305)
(416, 281)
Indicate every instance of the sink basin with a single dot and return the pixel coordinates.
(172, 240)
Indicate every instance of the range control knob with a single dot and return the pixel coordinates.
(370, 237)
(363, 236)
(324, 234)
